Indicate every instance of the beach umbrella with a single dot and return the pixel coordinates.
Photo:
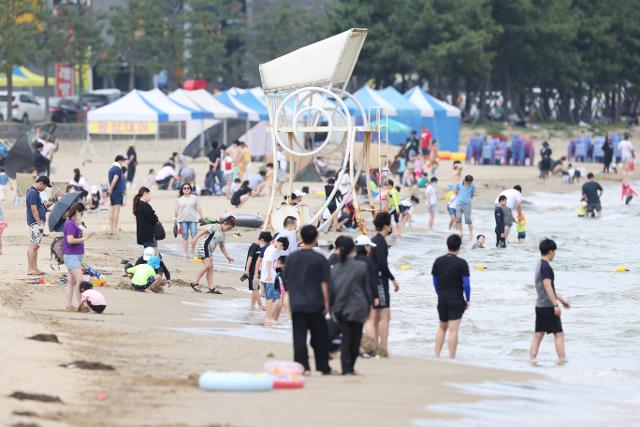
(56, 217)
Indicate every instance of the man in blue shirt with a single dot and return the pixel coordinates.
(36, 217)
(115, 192)
(464, 192)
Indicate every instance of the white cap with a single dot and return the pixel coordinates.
(299, 193)
(364, 240)
(148, 253)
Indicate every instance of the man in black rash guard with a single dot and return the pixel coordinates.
(377, 325)
(452, 284)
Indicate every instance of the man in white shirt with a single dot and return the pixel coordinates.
(514, 201)
(166, 176)
(432, 199)
(627, 153)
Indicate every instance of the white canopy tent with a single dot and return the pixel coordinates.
(132, 107)
(160, 100)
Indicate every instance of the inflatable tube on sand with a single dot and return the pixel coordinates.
(289, 382)
(247, 220)
(459, 156)
(236, 381)
(444, 155)
(278, 368)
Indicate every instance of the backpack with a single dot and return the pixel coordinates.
(57, 252)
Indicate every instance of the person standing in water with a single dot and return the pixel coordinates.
(547, 304)
(592, 190)
(464, 192)
(377, 325)
(307, 275)
(452, 282)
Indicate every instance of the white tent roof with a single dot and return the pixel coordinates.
(208, 102)
(130, 108)
(416, 97)
(182, 97)
(331, 60)
(161, 101)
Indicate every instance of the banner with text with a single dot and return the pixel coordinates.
(123, 128)
(64, 80)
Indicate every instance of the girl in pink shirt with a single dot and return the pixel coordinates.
(91, 299)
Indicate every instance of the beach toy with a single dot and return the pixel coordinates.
(448, 196)
(98, 282)
(197, 260)
(404, 267)
(236, 381)
(621, 269)
(279, 368)
(444, 155)
(289, 382)
(480, 267)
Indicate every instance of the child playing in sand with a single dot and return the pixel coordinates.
(522, 229)
(90, 299)
(3, 225)
(250, 268)
(145, 277)
(627, 192)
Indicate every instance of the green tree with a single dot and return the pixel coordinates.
(281, 28)
(50, 40)
(213, 42)
(18, 24)
(138, 31)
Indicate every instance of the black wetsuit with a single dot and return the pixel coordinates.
(379, 255)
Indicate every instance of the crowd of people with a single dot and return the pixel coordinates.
(286, 275)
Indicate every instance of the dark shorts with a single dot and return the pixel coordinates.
(383, 294)
(404, 209)
(143, 288)
(547, 321)
(522, 234)
(450, 310)
(116, 199)
(425, 151)
(96, 308)
(396, 216)
(594, 207)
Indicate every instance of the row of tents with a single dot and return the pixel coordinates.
(242, 114)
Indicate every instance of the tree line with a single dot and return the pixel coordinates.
(569, 60)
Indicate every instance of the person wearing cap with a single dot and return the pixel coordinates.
(364, 245)
(146, 256)
(146, 276)
(207, 242)
(115, 191)
(36, 217)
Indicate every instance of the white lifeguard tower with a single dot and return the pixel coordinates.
(308, 113)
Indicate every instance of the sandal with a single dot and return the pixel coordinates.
(214, 291)
(195, 287)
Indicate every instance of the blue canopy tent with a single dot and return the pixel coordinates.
(407, 113)
(446, 124)
(371, 99)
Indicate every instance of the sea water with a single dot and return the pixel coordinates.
(601, 383)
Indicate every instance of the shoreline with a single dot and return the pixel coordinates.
(155, 366)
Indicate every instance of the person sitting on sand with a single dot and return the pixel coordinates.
(479, 244)
(241, 196)
(208, 240)
(90, 299)
(146, 277)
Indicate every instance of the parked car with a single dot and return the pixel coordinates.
(65, 110)
(24, 107)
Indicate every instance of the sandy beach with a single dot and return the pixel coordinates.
(155, 364)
